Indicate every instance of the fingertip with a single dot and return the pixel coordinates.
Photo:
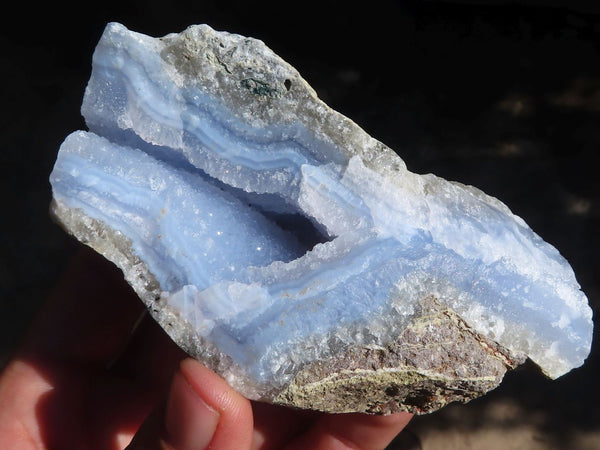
(190, 423)
(235, 424)
(201, 411)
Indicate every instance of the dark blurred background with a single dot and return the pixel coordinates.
(499, 94)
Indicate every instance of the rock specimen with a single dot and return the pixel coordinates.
(286, 249)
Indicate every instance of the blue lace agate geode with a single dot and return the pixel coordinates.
(295, 255)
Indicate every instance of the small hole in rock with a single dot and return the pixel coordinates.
(392, 391)
(288, 84)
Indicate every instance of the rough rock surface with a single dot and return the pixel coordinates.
(436, 360)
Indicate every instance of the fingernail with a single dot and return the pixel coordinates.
(190, 422)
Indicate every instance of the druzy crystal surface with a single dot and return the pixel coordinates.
(292, 253)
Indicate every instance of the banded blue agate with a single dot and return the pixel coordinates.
(278, 243)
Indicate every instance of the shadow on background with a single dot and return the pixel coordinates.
(504, 96)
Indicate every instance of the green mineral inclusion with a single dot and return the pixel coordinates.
(259, 88)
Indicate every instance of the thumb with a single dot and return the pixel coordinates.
(201, 410)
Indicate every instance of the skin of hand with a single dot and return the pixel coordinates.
(82, 380)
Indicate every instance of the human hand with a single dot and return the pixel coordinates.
(82, 380)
